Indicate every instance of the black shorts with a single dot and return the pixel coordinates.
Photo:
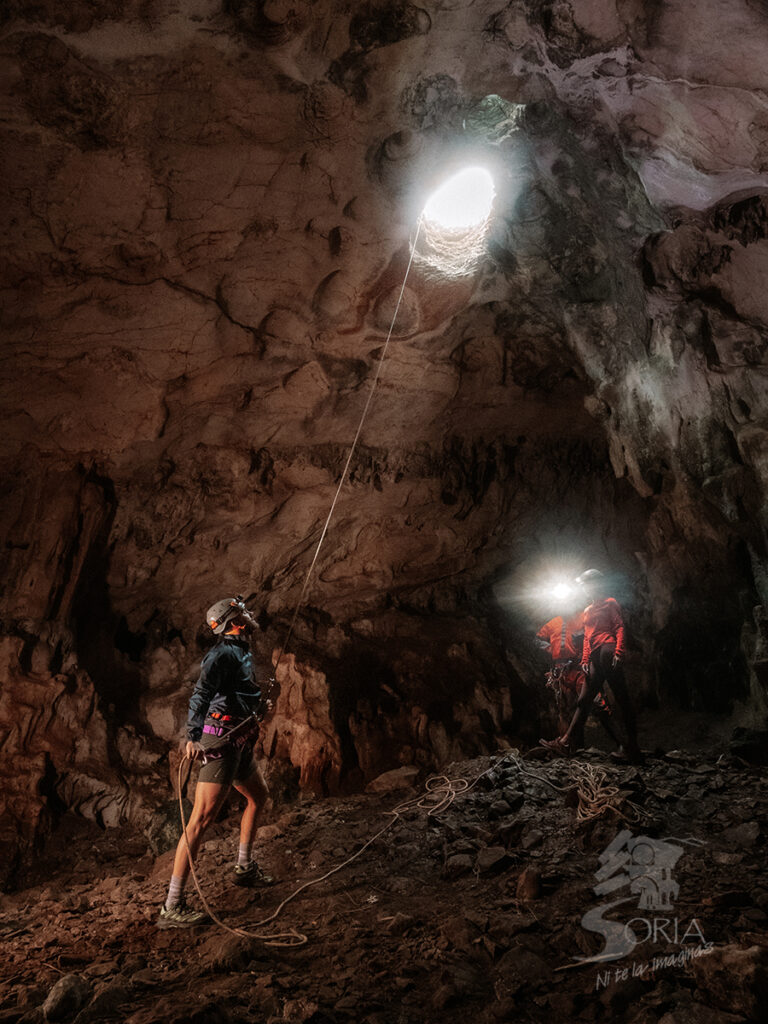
(236, 763)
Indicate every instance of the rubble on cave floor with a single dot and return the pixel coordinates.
(475, 912)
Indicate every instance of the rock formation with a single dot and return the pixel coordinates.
(207, 215)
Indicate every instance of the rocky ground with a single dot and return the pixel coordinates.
(475, 912)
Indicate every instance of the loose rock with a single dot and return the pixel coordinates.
(68, 995)
(393, 781)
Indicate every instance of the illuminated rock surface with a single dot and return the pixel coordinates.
(206, 222)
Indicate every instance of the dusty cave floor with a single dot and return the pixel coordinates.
(467, 916)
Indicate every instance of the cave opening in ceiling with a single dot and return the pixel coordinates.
(478, 178)
(454, 223)
(463, 202)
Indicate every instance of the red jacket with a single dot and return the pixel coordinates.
(562, 637)
(603, 624)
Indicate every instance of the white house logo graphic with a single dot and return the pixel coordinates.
(645, 865)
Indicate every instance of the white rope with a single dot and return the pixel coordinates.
(595, 798)
(236, 730)
(352, 450)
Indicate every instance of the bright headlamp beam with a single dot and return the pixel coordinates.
(561, 590)
(462, 202)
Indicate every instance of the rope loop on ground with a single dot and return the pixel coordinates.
(596, 795)
(285, 939)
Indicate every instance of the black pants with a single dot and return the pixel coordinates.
(602, 671)
(566, 705)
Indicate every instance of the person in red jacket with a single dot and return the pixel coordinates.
(563, 640)
(602, 658)
(562, 637)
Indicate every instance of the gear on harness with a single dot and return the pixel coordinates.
(563, 676)
(243, 730)
(565, 679)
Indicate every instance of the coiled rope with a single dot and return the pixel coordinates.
(599, 796)
(596, 794)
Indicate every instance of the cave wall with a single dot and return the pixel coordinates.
(207, 214)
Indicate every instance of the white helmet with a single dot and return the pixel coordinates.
(590, 576)
(221, 613)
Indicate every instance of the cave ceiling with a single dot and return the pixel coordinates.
(207, 214)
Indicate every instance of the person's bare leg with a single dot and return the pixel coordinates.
(209, 796)
(255, 791)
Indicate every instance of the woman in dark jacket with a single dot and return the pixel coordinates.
(226, 695)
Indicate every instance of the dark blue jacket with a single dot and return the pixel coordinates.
(226, 684)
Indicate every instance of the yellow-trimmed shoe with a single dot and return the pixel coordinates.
(251, 875)
(180, 916)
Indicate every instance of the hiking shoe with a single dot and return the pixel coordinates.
(180, 916)
(251, 874)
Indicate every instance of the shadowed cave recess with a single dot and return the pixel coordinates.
(207, 214)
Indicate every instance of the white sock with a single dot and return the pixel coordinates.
(175, 891)
(243, 855)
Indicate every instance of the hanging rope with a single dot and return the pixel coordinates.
(352, 451)
(248, 724)
(440, 792)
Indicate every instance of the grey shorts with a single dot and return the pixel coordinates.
(236, 763)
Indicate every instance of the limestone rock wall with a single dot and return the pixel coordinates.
(207, 213)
